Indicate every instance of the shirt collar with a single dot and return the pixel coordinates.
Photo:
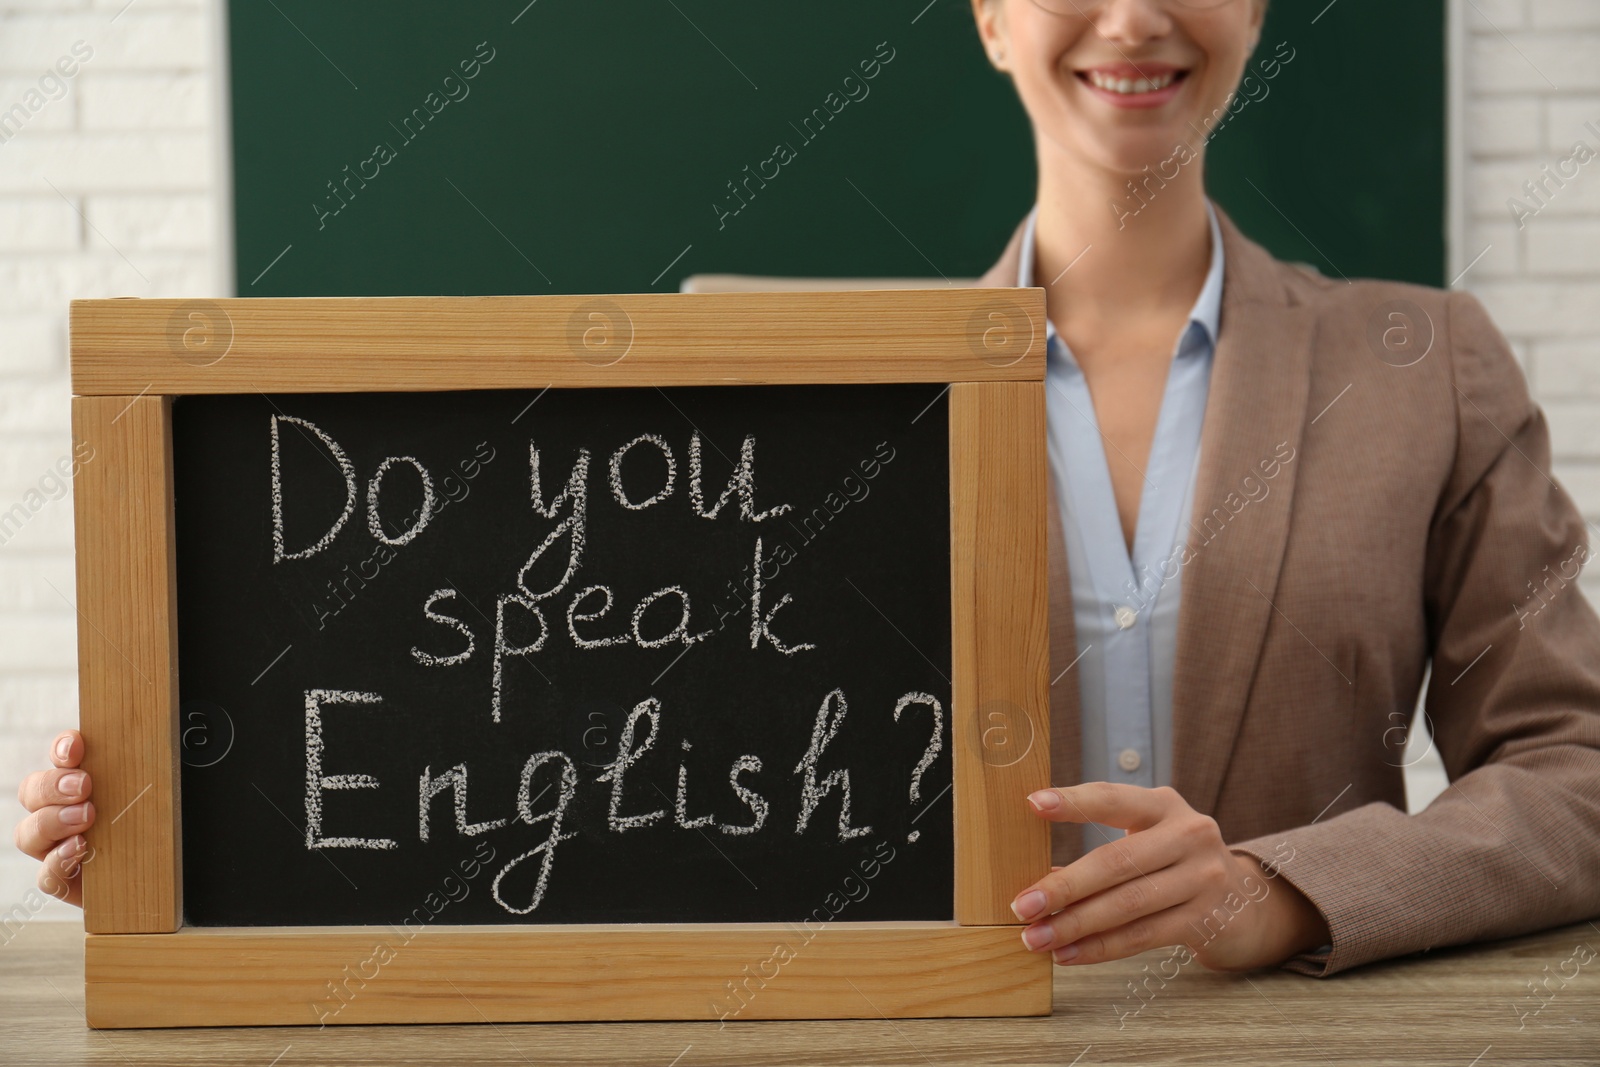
(1207, 310)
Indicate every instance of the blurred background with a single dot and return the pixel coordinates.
(165, 148)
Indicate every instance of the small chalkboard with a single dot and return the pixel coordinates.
(536, 658)
(635, 655)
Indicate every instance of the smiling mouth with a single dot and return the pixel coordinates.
(1124, 86)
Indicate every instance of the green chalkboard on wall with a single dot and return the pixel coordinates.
(565, 147)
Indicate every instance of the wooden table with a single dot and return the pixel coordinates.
(1452, 1007)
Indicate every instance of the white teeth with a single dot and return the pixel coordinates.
(1129, 86)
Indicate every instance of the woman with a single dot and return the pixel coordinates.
(1321, 487)
(1372, 491)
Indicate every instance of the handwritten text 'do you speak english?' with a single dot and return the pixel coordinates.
(549, 781)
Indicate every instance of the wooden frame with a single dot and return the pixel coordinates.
(130, 357)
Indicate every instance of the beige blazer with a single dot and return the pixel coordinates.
(1356, 515)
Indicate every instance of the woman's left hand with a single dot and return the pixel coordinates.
(1172, 880)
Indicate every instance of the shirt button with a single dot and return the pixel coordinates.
(1125, 616)
(1128, 760)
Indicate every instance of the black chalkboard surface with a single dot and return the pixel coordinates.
(503, 656)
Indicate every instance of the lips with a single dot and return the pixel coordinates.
(1130, 85)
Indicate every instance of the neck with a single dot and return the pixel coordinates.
(1100, 263)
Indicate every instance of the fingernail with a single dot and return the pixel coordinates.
(75, 814)
(63, 747)
(72, 784)
(1028, 904)
(1036, 937)
(71, 855)
(1045, 800)
(1065, 954)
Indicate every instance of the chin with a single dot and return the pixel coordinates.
(1130, 161)
(1126, 154)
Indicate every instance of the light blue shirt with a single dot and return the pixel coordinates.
(1126, 608)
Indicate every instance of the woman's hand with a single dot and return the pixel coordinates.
(1170, 881)
(58, 799)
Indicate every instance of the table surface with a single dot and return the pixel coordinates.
(1530, 1000)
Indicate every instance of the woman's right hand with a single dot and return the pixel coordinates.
(60, 812)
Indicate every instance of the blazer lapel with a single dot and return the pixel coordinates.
(1256, 405)
(1260, 380)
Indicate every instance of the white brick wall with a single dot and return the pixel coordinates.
(1532, 82)
(110, 188)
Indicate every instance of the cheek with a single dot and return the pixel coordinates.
(1226, 55)
(1050, 92)
(1037, 45)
